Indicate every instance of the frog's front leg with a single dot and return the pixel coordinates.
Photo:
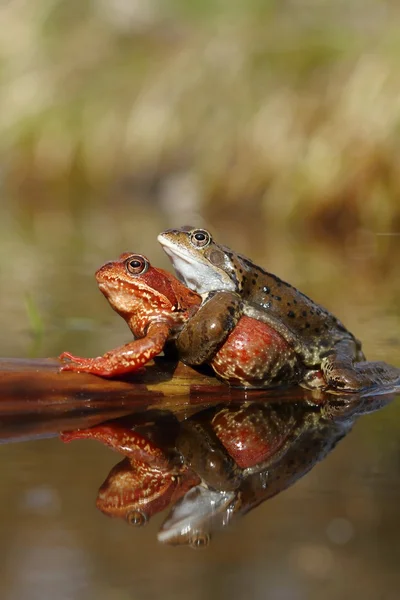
(341, 372)
(124, 359)
(131, 444)
(204, 333)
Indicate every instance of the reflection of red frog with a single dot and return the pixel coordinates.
(219, 463)
(145, 482)
(157, 307)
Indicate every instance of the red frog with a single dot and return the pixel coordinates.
(157, 307)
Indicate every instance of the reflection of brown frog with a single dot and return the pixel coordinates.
(315, 336)
(218, 463)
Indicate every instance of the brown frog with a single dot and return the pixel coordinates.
(317, 337)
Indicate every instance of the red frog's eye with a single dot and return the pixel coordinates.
(136, 518)
(137, 264)
(200, 238)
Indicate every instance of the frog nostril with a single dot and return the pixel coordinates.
(106, 268)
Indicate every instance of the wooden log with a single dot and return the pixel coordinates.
(37, 400)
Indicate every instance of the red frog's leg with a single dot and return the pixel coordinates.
(256, 435)
(256, 355)
(124, 359)
(237, 442)
(134, 446)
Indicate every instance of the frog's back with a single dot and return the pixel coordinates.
(308, 326)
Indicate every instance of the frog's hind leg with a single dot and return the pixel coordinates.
(342, 372)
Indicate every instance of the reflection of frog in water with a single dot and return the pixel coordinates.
(220, 462)
(315, 336)
(145, 482)
(157, 307)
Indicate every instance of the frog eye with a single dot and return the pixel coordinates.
(200, 238)
(200, 540)
(137, 264)
(136, 518)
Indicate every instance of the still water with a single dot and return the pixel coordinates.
(335, 532)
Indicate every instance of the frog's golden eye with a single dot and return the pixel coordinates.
(136, 518)
(137, 264)
(201, 540)
(200, 238)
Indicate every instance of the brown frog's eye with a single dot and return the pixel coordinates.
(136, 518)
(137, 264)
(201, 540)
(200, 238)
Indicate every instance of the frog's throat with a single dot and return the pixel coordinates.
(199, 512)
(195, 272)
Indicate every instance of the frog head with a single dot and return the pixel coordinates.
(197, 514)
(141, 293)
(136, 491)
(200, 262)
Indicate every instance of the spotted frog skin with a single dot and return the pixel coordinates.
(157, 308)
(317, 338)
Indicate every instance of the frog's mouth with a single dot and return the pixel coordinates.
(175, 253)
(105, 282)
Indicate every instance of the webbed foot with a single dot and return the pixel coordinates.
(342, 373)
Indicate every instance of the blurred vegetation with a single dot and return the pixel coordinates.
(290, 108)
(275, 123)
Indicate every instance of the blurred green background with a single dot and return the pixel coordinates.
(275, 124)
